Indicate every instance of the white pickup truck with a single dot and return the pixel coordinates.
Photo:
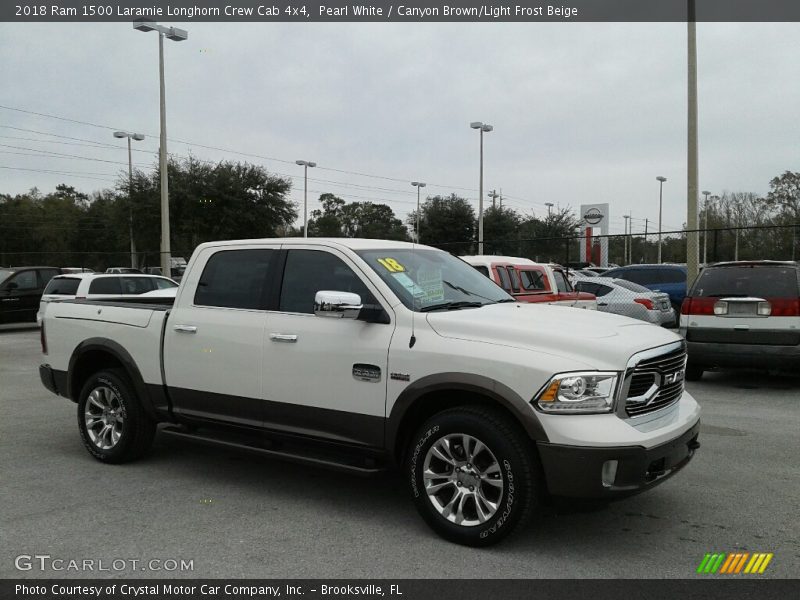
(361, 355)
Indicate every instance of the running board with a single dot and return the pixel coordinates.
(344, 465)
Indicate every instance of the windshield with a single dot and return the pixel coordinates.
(759, 281)
(5, 274)
(431, 279)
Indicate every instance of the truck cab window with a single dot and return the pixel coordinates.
(309, 271)
(235, 279)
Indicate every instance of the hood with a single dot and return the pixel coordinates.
(596, 339)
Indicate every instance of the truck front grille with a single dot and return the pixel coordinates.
(656, 383)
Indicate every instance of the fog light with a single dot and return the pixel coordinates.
(609, 473)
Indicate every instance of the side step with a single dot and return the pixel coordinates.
(344, 464)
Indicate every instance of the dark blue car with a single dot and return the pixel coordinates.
(670, 279)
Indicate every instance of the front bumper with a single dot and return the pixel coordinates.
(576, 471)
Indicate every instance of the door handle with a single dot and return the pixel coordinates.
(602, 304)
(283, 337)
(10, 299)
(185, 328)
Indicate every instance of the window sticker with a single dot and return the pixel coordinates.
(417, 292)
(391, 265)
(431, 284)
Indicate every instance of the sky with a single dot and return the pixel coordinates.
(582, 112)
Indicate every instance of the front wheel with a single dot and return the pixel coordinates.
(113, 425)
(473, 475)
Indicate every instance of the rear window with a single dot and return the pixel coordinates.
(482, 270)
(62, 286)
(105, 285)
(236, 279)
(163, 284)
(629, 285)
(756, 281)
(505, 280)
(533, 280)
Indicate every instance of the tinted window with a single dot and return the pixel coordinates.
(63, 286)
(533, 280)
(505, 280)
(235, 278)
(163, 284)
(105, 285)
(670, 276)
(137, 285)
(602, 290)
(309, 271)
(584, 286)
(47, 274)
(641, 276)
(26, 280)
(760, 282)
(561, 282)
(483, 270)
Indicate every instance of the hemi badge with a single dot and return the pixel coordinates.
(364, 372)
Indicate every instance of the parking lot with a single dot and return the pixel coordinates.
(235, 515)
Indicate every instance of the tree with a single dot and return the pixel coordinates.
(501, 230)
(551, 239)
(446, 222)
(355, 219)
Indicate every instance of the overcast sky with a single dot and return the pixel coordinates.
(583, 112)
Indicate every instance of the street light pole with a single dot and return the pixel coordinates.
(418, 185)
(705, 228)
(138, 137)
(176, 35)
(625, 240)
(484, 128)
(661, 181)
(305, 164)
(549, 206)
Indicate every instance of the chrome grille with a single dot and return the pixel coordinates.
(650, 372)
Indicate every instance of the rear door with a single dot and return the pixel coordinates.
(213, 343)
(745, 304)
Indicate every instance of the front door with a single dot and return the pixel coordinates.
(325, 377)
(20, 297)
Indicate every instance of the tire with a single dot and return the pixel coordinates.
(120, 430)
(694, 372)
(492, 497)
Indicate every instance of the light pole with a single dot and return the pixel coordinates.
(549, 206)
(138, 137)
(418, 185)
(176, 35)
(305, 164)
(625, 239)
(705, 228)
(483, 128)
(661, 181)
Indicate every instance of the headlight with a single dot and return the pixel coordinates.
(590, 392)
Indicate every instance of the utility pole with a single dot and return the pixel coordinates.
(625, 242)
(494, 196)
(705, 229)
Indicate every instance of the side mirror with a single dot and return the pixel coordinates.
(339, 305)
(11, 285)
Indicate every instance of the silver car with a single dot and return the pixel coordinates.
(623, 297)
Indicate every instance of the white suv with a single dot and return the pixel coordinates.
(98, 286)
(743, 314)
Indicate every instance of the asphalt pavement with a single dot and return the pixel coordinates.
(236, 515)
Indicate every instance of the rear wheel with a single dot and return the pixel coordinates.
(694, 372)
(113, 425)
(473, 475)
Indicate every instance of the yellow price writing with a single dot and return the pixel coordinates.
(391, 265)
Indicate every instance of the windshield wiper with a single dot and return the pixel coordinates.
(505, 300)
(451, 306)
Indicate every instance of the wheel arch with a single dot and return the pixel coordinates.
(95, 354)
(435, 393)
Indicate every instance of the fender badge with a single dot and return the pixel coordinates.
(400, 376)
